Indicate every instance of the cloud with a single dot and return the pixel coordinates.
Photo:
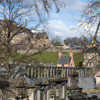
(65, 24)
(57, 27)
(60, 29)
(71, 13)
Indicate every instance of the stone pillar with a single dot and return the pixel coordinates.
(42, 94)
(45, 95)
(73, 81)
(31, 97)
(66, 98)
(57, 93)
(52, 98)
(38, 94)
(67, 95)
(48, 95)
(35, 94)
(69, 82)
(62, 97)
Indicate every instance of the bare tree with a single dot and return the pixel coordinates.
(91, 16)
(11, 25)
(56, 40)
(15, 16)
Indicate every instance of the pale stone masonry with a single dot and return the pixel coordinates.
(91, 57)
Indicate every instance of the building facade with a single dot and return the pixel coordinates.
(91, 57)
(65, 60)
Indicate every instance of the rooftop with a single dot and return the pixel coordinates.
(64, 59)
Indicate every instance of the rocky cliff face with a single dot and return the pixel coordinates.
(22, 38)
(38, 41)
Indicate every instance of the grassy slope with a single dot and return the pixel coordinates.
(48, 57)
(45, 56)
(78, 57)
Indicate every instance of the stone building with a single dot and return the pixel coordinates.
(65, 60)
(40, 35)
(91, 57)
(22, 38)
(41, 40)
(17, 32)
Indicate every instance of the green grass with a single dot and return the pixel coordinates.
(78, 58)
(44, 56)
(65, 53)
(48, 57)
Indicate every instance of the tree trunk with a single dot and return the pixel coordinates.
(94, 39)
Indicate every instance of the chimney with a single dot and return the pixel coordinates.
(59, 54)
(72, 64)
(71, 54)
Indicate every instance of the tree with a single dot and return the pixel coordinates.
(15, 16)
(13, 22)
(75, 41)
(11, 25)
(91, 15)
(56, 41)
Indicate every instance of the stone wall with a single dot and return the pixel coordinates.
(86, 83)
(90, 59)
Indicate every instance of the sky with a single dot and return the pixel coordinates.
(65, 24)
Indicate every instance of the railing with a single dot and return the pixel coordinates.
(54, 72)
